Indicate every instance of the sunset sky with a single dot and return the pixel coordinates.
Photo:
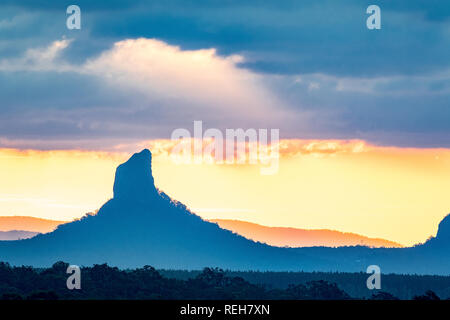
(392, 193)
(363, 115)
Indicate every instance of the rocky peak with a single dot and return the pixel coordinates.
(134, 179)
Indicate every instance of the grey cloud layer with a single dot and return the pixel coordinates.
(390, 86)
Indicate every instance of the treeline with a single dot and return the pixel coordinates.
(105, 282)
(404, 287)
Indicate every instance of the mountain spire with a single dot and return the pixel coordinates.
(134, 179)
(444, 229)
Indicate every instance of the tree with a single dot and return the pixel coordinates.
(429, 295)
(381, 295)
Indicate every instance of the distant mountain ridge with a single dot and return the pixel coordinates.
(31, 224)
(294, 237)
(16, 235)
(141, 226)
(276, 236)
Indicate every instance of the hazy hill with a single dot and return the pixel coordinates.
(16, 234)
(276, 236)
(293, 237)
(28, 223)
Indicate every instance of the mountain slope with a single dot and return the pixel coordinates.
(293, 237)
(141, 225)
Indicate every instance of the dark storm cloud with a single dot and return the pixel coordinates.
(280, 36)
(399, 74)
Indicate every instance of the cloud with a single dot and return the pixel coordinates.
(39, 59)
(389, 86)
(201, 78)
(298, 147)
(403, 110)
(139, 88)
(436, 82)
(164, 73)
(287, 148)
(145, 88)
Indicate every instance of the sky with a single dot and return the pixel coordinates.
(137, 70)
(399, 194)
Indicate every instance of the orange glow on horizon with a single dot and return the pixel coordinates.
(398, 194)
(292, 237)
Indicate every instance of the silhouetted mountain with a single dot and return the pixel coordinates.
(275, 236)
(143, 226)
(294, 237)
(16, 234)
(442, 238)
